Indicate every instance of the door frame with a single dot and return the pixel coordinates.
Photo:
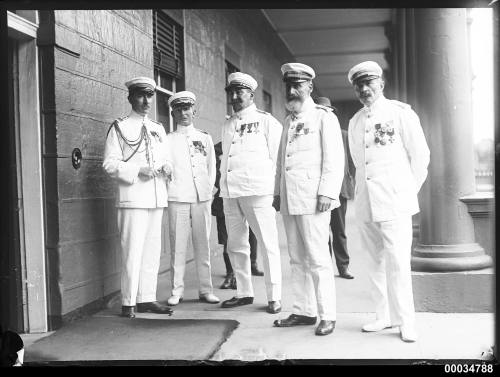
(29, 171)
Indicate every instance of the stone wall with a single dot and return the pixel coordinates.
(87, 55)
(94, 53)
(209, 35)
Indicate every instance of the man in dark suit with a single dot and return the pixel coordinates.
(337, 222)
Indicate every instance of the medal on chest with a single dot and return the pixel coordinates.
(384, 133)
(248, 128)
(199, 147)
(156, 136)
(299, 130)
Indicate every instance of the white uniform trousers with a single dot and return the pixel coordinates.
(389, 249)
(140, 236)
(257, 212)
(313, 281)
(185, 221)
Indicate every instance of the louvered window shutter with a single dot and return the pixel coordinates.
(168, 45)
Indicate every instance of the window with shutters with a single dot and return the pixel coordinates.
(168, 47)
(168, 56)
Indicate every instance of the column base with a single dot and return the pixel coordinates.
(449, 258)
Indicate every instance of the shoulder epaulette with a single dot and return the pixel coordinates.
(202, 131)
(323, 108)
(115, 123)
(262, 111)
(400, 104)
(155, 121)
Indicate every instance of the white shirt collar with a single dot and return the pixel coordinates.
(308, 104)
(185, 129)
(246, 110)
(135, 115)
(377, 104)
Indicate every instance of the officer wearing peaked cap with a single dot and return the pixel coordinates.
(391, 156)
(297, 72)
(309, 174)
(250, 140)
(184, 97)
(189, 198)
(241, 80)
(365, 70)
(142, 84)
(137, 157)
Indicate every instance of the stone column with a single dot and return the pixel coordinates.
(402, 55)
(407, 83)
(446, 240)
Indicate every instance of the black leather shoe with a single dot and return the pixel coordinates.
(128, 312)
(273, 307)
(235, 301)
(295, 320)
(346, 274)
(153, 307)
(226, 284)
(325, 327)
(256, 271)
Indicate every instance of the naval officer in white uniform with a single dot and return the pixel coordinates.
(137, 157)
(309, 176)
(250, 141)
(189, 198)
(391, 156)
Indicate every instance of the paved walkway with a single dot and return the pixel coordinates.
(441, 335)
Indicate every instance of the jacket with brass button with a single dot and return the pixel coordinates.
(193, 159)
(391, 156)
(250, 142)
(311, 160)
(123, 164)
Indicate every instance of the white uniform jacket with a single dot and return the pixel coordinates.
(193, 158)
(310, 161)
(122, 164)
(250, 142)
(391, 156)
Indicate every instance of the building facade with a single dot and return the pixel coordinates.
(66, 71)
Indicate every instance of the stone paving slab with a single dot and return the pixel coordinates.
(442, 336)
